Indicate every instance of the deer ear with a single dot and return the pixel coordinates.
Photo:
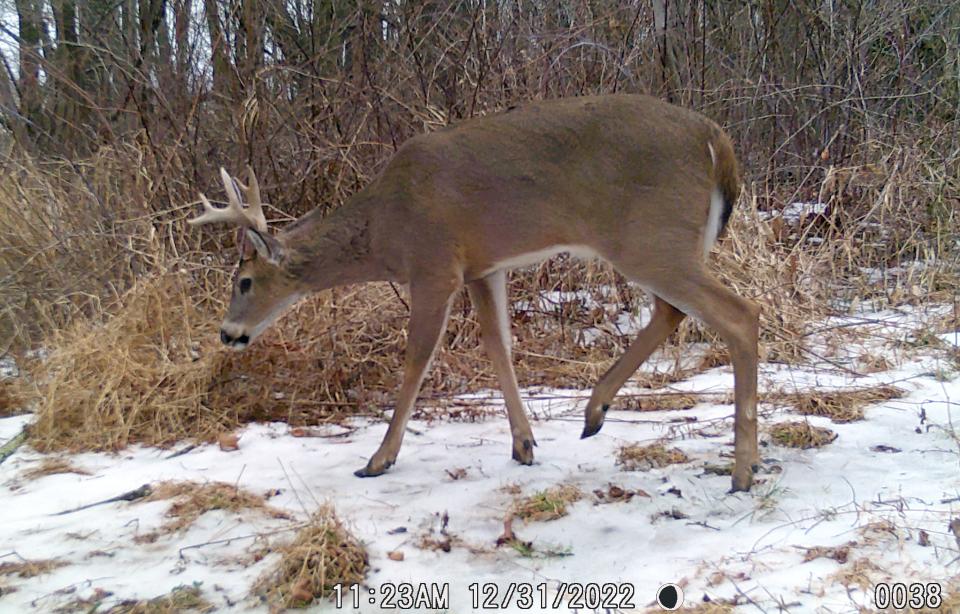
(266, 245)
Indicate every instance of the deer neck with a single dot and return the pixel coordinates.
(337, 249)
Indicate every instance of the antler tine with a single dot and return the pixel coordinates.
(212, 215)
(234, 212)
(233, 197)
(255, 205)
(254, 211)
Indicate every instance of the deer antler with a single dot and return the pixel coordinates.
(235, 213)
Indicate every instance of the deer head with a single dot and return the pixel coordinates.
(262, 288)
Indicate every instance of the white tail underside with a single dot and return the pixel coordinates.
(712, 230)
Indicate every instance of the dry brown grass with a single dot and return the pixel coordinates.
(74, 233)
(52, 466)
(142, 375)
(839, 405)
(29, 568)
(151, 370)
(321, 555)
(801, 435)
(180, 599)
(668, 401)
(862, 573)
(191, 500)
(12, 402)
(548, 504)
(636, 457)
(839, 554)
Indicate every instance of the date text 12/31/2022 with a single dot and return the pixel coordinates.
(590, 596)
(488, 596)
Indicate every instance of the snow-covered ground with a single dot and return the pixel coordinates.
(885, 492)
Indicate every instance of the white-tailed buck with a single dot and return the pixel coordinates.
(643, 184)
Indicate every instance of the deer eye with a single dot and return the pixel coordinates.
(245, 284)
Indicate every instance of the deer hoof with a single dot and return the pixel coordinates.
(741, 481)
(370, 471)
(523, 451)
(594, 421)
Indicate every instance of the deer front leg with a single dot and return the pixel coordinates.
(429, 308)
(489, 296)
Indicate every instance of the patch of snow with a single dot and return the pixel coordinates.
(794, 212)
(11, 427)
(8, 367)
(951, 339)
(689, 530)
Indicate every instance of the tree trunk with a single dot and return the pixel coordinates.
(223, 74)
(664, 14)
(28, 83)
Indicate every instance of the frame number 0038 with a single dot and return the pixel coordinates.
(899, 596)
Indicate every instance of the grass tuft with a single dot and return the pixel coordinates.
(29, 568)
(636, 457)
(321, 555)
(192, 500)
(840, 406)
(548, 504)
(801, 435)
(52, 466)
(180, 599)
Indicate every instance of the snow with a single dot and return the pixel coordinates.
(748, 546)
(8, 367)
(796, 211)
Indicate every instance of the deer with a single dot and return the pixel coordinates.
(643, 184)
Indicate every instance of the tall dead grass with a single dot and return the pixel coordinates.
(72, 236)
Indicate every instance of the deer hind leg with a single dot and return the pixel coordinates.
(489, 296)
(666, 318)
(736, 319)
(429, 309)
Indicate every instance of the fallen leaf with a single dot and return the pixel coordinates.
(395, 555)
(457, 473)
(229, 442)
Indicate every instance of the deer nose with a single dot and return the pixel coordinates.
(228, 339)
